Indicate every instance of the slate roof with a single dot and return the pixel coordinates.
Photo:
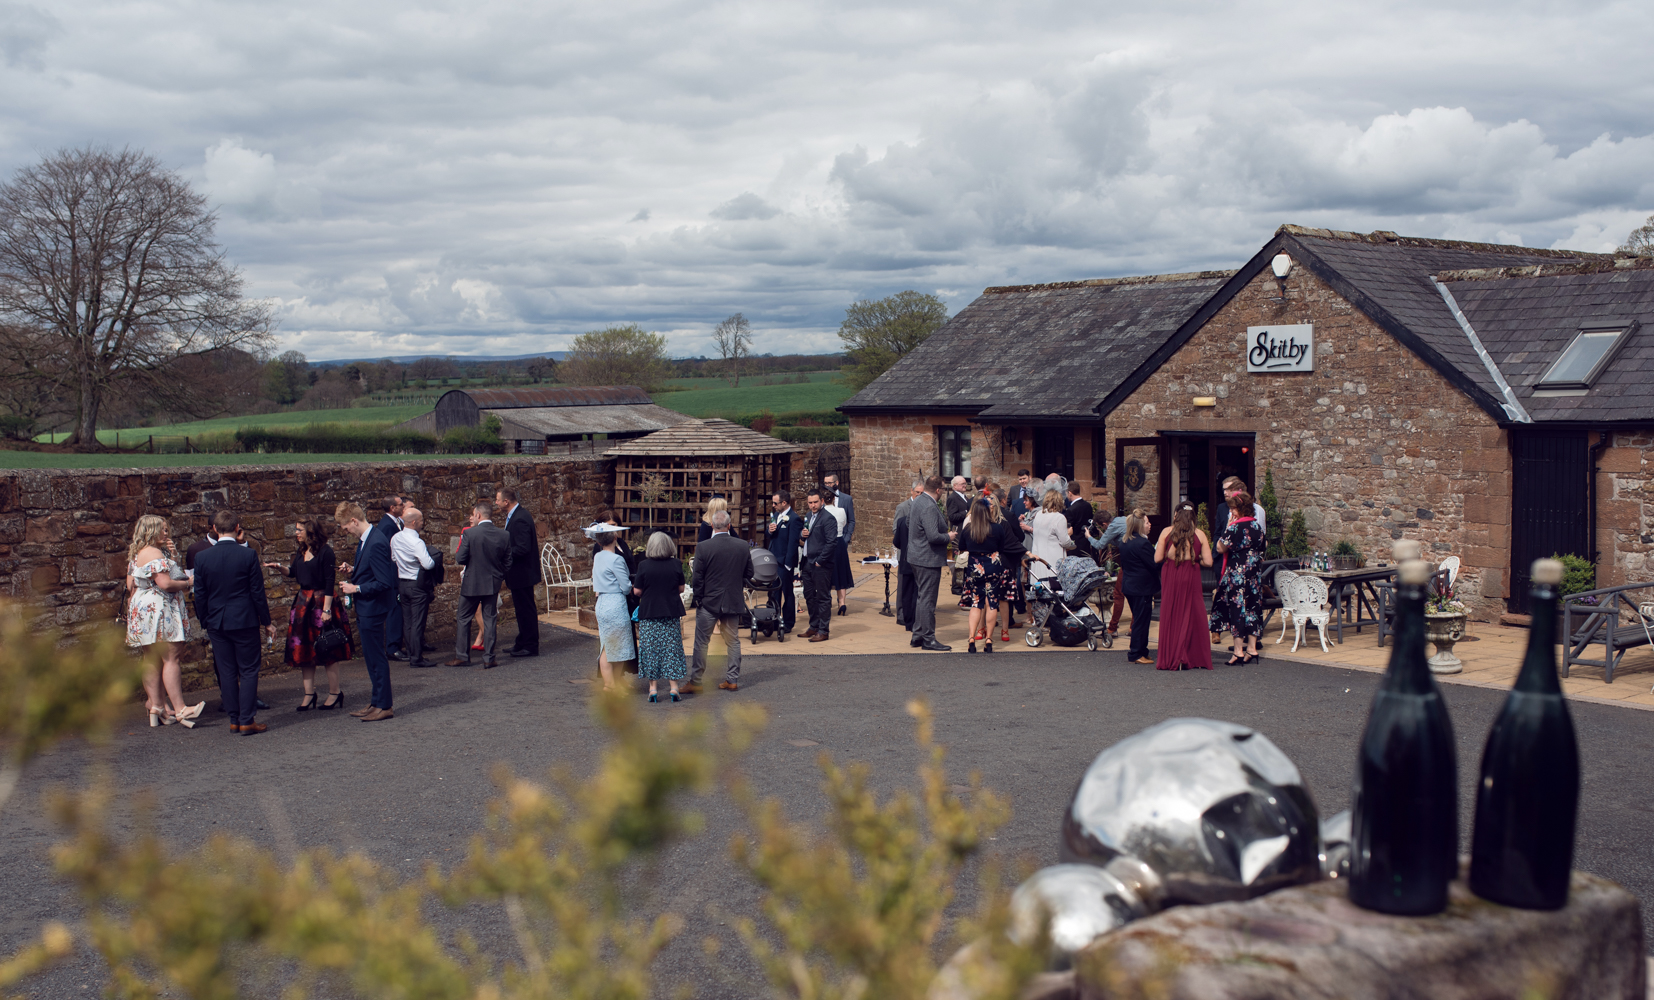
(712, 436)
(595, 395)
(562, 421)
(1031, 353)
(1526, 317)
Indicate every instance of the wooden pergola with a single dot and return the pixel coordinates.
(664, 480)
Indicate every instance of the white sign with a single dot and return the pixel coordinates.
(1280, 348)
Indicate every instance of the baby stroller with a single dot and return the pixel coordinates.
(763, 577)
(1057, 603)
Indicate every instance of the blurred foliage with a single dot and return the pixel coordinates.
(877, 333)
(1296, 541)
(1271, 504)
(1578, 574)
(858, 910)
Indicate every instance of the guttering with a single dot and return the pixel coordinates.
(1513, 406)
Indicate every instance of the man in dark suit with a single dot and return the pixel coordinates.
(485, 552)
(389, 524)
(959, 502)
(820, 537)
(230, 603)
(1079, 515)
(719, 576)
(904, 570)
(784, 526)
(524, 571)
(372, 586)
(1023, 497)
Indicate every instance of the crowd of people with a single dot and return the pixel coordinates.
(389, 582)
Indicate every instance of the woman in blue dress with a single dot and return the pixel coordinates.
(612, 583)
(1237, 605)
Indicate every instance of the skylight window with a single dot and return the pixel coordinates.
(1584, 360)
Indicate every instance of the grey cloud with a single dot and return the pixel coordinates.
(745, 205)
(24, 32)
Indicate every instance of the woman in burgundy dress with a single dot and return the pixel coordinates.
(1183, 549)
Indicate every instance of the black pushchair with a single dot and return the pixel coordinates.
(763, 578)
(1057, 603)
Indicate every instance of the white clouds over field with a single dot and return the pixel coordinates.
(492, 177)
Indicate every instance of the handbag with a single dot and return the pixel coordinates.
(331, 639)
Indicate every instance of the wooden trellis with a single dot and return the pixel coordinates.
(664, 480)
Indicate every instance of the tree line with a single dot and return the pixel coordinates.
(118, 307)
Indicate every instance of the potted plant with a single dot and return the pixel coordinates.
(1346, 556)
(1444, 620)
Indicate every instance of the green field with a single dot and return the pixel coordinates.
(718, 382)
(134, 437)
(40, 460)
(727, 402)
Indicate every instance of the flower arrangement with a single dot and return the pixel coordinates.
(1440, 597)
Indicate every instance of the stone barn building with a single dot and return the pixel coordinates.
(541, 421)
(1495, 402)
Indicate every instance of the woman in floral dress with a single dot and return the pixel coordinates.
(155, 617)
(1237, 606)
(985, 578)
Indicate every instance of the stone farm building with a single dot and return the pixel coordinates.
(1495, 402)
(550, 421)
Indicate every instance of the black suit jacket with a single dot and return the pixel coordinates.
(524, 570)
(229, 588)
(374, 571)
(485, 552)
(1079, 515)
(1139, 576)
(784, 540)
(959, 507)
(720, 572)
(821, 544)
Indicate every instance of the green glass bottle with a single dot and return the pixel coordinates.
(1404, 824)
(1522, 849)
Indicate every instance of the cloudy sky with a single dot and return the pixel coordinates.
(494, 177)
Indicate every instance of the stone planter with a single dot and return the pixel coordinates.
(1345, 562)
(1444, 629)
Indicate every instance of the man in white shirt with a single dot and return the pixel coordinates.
(411, 555)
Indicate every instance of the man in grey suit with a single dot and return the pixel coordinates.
(718, 577)
(927, 550)
(904, 572)
(485, 552)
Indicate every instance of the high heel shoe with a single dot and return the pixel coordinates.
(675, 696)
(157, 717)
(653, 697)
(337, 702)
(187, 721)
(193, 712)
(988, 647)
(972, 647)
(843, 609)
(1004, 635)
(307, 702)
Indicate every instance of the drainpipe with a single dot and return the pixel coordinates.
(1604, 439)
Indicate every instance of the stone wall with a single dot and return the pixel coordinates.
(1625, 509)
(64, 533)
(1374, 445)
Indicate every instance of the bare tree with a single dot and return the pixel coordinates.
(112, 258)
(734, 339)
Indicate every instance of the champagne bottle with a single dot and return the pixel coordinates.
(1405, 820)
(1522, 848)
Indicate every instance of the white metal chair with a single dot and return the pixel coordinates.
(1451, 565)
(1284, 579)
(555, 571)
(1309, 607)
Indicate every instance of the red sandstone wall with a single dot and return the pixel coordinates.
(1625, 510)
(1373, 445)
(64, 533)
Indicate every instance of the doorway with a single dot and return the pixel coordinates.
(1054, 452)
(1200, 464)
(1550, 503)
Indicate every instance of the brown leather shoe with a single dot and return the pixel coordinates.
(693, 687)
(252, 730)
(807, 633)
(377, 714)
(728, 686)
(819, 637)
(1144, 660)
(364, 710)
(457, 662)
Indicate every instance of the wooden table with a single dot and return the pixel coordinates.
(1361, 584)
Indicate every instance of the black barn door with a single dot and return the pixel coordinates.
(1550, 484)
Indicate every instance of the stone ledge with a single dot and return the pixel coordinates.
(1312, 942)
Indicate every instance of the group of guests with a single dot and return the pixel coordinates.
(1170, 567)
(391, 580)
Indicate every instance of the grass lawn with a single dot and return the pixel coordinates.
(39, 460)
(718, 382)
(132, 436)
(727, 402)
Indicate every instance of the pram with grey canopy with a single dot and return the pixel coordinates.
(1057, 603)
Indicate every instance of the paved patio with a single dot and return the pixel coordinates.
(1492, 653)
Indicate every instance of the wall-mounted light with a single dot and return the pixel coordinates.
(1281, 264)
(1206, 401)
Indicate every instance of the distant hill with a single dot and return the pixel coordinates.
(403, 359)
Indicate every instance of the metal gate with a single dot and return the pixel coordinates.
(1550, 510)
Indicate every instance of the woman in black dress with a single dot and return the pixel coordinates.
(313, 606)
(1011, 554)
(983, 539)
(658, 585)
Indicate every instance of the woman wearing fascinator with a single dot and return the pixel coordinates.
(612, 582)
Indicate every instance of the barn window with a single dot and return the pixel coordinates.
(1584, 359)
